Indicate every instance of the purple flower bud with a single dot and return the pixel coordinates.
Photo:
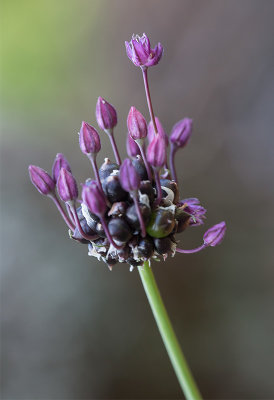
(67, 186)
(41, 180)
(181, 132)
(156, 152)
(215, 234)
(94, 198)
(160, 129)
(59, 162)
(132, 147)
(140, 52)
(105, 114)
(89, 139)
(129, 178)
(136, 123)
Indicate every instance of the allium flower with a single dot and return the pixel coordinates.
(132, 207)
(192, 206)
(140, 52)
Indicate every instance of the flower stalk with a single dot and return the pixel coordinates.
(170, 340)
(149, 102)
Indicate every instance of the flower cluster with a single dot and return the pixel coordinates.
(130, 211)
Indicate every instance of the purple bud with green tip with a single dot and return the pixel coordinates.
(89, 139)
(105, 114)
(67, 186)
(132, 147)
(136, 123)
(215, 234)
(160, 129)
(94, 198)
(129, 178)
(181, 132)
(41, 180)
(59, 162)
(140, 52)
(156, 152)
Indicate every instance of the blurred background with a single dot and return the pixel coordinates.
(71, 329)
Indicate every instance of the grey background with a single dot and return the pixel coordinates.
(71, 329)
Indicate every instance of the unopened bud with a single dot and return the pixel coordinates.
(41, 180)
(89, 139)
(136, 123)
(59, 162)
(105, 114)
(67, 186)
(132, 147)
(94, 199)
(215, 234)
(156, 152)
(160, 129)
(129, 178)
(181, 132)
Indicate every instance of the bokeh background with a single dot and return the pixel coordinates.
(71, 329)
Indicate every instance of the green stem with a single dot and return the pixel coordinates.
(176, 356)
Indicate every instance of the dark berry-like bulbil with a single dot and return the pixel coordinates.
(161, 224)
(114, 190)
(146, 247)
(140, 168)
(163, 245)
(107, 169)
(132, 217)
(119, 230)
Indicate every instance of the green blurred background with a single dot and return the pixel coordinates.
(71, 329)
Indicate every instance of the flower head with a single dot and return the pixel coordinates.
(215, 234)
(67, 186)
(160, 129)
(132, 211)
(93, 198)
(140, 52)
(132, 147)
(89, 139)
(136, 124)
(41, 180)
(59, 162)
(106, 115)
(129, 178)
(156, 152)
(181, 132)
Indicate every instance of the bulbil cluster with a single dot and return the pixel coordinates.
(130, 211)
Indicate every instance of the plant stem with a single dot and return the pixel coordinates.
(149, 102)
(114, 146)
(173, 150)
(176, 356)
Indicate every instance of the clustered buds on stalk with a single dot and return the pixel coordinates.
(132, 211)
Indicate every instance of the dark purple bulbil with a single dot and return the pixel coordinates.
(130, 211)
